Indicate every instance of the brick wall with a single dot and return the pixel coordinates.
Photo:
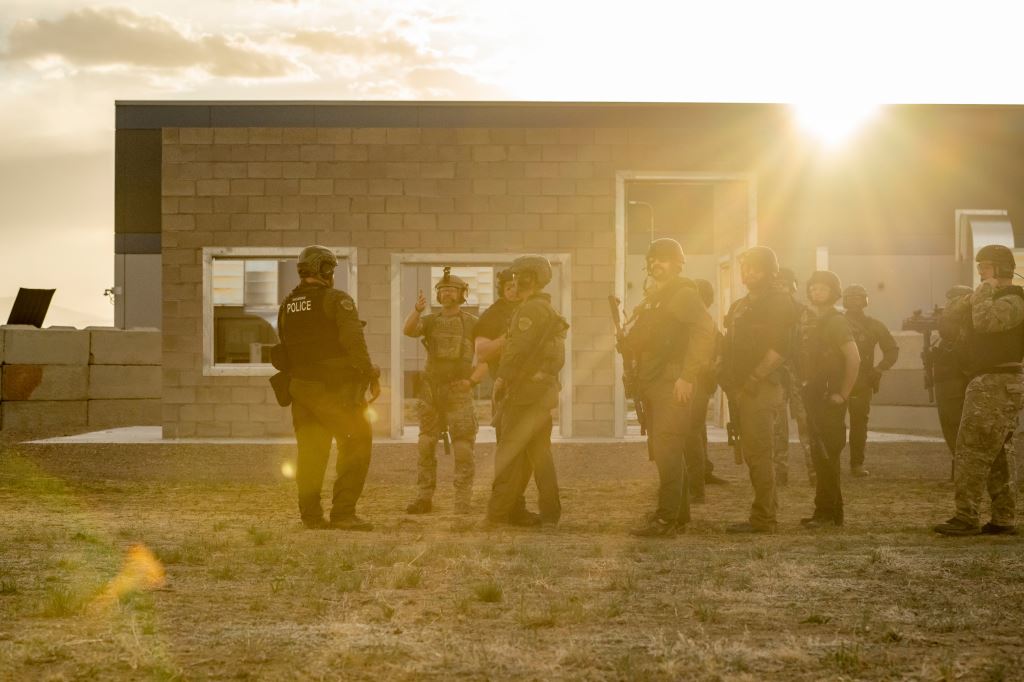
(65, 379)
(381, 190)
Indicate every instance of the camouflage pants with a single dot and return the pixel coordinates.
(781, 432)
(319, 417)
(435, 408)
(984, 447)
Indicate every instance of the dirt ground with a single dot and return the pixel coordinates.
(188, 562)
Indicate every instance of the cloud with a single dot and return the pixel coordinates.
(98, 38)
(386, 45)
(440, 81)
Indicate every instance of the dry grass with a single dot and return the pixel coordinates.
(249, 593)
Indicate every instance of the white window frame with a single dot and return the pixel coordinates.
(347, 257)
(564, 260)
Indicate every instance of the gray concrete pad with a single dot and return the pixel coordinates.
(153, 435)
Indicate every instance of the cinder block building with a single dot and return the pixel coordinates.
(214, 201)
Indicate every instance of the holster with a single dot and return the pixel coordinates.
(281, 382)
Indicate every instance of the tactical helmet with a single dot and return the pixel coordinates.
(828, 278)
(537, 266)
(706, 291)
(316, 261)
(997, 254)
(503, 277)
(666, 249)
(855, 290)
(762, 257)
(450, 280)
(958, 291)
(787, 278)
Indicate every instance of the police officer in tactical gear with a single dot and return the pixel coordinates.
(985, 459)
(330, 371)
(526, 391)
(445, 405)
(490, 336)
(950, 369)
(828, 365)
(491, 332)
(672, 337)
(791, 398)
(699, 469)
(759, 334)
(867, 333)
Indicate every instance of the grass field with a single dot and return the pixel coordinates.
(186, 562)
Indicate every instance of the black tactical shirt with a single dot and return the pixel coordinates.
(493, 324)
(334, 324)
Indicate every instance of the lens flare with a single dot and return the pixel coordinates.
(141, 571)
(288, 470)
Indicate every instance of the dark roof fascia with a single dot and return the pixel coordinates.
(201, 114)
(468, 114)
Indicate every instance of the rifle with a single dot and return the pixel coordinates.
(629, 366)
(732, 432)
(926, 325)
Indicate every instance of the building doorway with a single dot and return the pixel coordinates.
(712, 215)
(411, 273)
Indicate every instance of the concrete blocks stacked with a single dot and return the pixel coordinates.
(45, 378)
(63, 378)
(124, 377)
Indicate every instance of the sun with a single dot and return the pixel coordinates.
(833, 122)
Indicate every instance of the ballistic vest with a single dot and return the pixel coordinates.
(308, 333)
(658, 337)
(988, 350)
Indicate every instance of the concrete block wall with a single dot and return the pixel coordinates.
(65, 378)
(380, 190)
(411, 189)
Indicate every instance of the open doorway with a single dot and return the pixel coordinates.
(712, 215)
(411, 273)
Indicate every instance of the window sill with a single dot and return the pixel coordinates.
(240, 369)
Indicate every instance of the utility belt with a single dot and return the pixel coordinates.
(333, 378)
(444, 378)
(446, 371)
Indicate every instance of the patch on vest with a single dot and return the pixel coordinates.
(347, 304)
(525, 323)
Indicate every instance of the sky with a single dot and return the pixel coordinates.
(63, 64)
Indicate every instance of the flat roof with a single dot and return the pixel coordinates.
(416, 114)
(143, 114)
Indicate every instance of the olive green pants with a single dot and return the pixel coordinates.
(524, 448)
(757, 414)
(668, 423)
